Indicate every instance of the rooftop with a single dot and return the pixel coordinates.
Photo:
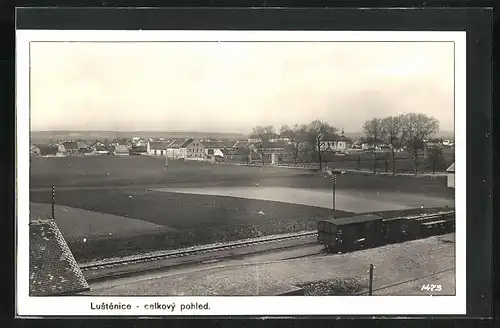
(186, 143)
(353, 219)
(70, 145)
(47, 149)
(159, 144)
(53, 269)
(121, 149)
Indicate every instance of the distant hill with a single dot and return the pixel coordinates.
(46, 136)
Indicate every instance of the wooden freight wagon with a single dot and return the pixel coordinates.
(341, 233)
(444, 223)
(400, 228)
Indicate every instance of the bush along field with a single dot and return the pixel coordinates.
(433, 161)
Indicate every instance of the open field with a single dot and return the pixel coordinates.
(147, 172)
(129, 205)
(183, 220)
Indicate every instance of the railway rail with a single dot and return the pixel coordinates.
(164, 255)
(218, 247)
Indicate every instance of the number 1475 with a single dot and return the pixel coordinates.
(431, 288)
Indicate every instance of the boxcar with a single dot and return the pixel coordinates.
(416, 226)
(394, 229)
(442, 224)
(337, 234)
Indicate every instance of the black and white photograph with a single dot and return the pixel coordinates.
(193, 172)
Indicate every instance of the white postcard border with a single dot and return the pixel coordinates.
(261, 306)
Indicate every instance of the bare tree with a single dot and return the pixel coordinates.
(263, 134)
(392, 127)
(374, 134)
(417, 128)
(318, 134)
(297, 136)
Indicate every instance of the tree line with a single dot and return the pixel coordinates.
(407, 132)
(303, 137)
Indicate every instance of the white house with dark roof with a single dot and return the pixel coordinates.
(336, 143)
(121, 150)
(157, 148)
(214, 149)
(450, 175)
(174, 149)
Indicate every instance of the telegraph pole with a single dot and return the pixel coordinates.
(53, 201)
(370, 282)
(334, 187)
(166, 159)
(334, 183)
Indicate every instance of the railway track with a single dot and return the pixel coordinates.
(202, 249)
(164, 255)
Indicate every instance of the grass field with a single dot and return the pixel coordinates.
(113, 195)
(145, 171)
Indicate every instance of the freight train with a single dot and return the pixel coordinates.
(342, 234)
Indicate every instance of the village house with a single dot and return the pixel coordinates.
(121, 150)
(192, 150)
(99, 149)
(174, 149)
(68, 148)
(48, 150)
(336, 143)
(241, 144)
(214, 150)
(157, 148)
(43, 150)
(139, 150)
(269, 152)
(82, 147)
(450, 176)
(244, 156)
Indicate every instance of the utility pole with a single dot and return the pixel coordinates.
(370, 282)
(53, 201)
(334, 187)
(166, 159)
(334, 183)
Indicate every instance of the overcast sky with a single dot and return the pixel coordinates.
(231, 87)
